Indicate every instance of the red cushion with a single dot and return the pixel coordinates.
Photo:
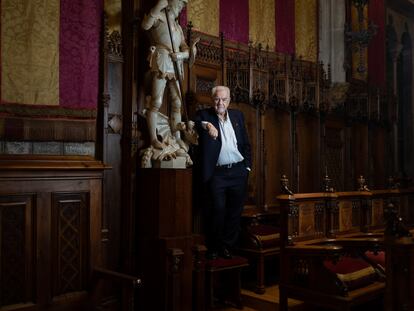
(352, 271)
(377, 258)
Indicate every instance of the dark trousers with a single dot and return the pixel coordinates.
(227, 192)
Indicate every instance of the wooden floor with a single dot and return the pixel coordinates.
(269, 301)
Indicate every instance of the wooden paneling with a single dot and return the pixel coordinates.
(277, 154)
(50, 227)
(17, 219)
(359, 150)
(308, 153)
(253, 129)
(334, 157)
(377, 156)
(70, 242)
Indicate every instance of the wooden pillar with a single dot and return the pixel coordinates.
(164, 236)
(400, 273)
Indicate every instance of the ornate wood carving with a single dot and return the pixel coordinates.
(70, 223)
(238, 75)
(50, 225)
(115, 46)
(114, 123)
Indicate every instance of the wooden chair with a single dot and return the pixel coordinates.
(399, 245)
(316, 267)
(224, 281)
(258, 242)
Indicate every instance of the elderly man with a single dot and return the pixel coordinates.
(168, 46)
(225, 160)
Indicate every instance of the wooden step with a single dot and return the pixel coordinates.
(269, 301)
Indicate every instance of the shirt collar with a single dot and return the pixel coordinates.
(226, 116)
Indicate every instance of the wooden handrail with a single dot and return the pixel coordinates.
(128, 283)
(117, 276)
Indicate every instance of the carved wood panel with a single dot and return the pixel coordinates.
(378, 169)
(17, 214)
(50, 231)
(359, 151)
(253, 126)
(308, 154)
(334, 156)
(277, 153)
(306, 219)
(70, 227)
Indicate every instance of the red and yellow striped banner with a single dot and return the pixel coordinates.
(50, 55)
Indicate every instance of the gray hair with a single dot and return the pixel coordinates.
(215, 89)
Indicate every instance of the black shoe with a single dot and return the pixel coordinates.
(225, 253)
(211, 255)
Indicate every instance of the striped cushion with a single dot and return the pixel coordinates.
(353, 272)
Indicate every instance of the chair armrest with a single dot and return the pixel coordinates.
(358, 243)
(313, 250)
(101, 273)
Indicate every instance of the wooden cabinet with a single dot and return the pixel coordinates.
(50, 230)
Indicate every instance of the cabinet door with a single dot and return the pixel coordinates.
(17, 250)
(50, 237)
(70, 243)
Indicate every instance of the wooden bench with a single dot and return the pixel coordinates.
(321, 247)
(224, 281)
(259, 241)
(400, 273)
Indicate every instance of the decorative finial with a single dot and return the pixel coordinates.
(362, 184)
(394, 225)
(284, 183)
(392, 184)
(327, 183)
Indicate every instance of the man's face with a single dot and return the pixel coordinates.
(221, 101)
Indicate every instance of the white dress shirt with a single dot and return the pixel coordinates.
(229, 153)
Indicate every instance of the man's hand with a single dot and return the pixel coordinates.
(212, 131)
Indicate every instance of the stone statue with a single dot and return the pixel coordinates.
(167, 52)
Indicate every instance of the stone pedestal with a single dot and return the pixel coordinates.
(177, 163)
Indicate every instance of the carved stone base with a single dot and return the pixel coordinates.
(179, 162)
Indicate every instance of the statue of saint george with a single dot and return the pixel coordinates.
(167, 52)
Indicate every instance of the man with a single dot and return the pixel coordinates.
(225, 161)
(167, 53)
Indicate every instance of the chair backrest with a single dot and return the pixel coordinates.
(406, 209)
(379, 201)
(307, 216)
(351, 213)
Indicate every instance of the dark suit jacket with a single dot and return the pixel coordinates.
(209, 148)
